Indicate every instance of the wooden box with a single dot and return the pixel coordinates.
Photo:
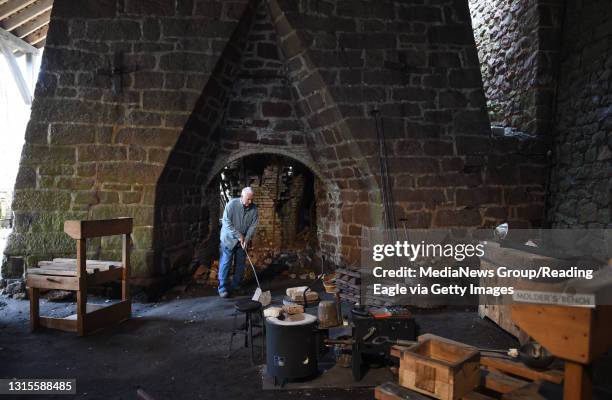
(440, 368)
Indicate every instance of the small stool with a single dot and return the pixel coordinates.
(248, 307)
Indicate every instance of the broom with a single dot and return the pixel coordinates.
(264, 298)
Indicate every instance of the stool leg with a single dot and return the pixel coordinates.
(229, 353)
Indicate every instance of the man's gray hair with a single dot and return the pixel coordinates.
(247, 190)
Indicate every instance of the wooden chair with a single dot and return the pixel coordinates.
(79, 274)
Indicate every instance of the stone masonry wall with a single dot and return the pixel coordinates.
(198, 101)
(518, 46)
(581, 180)
(92, 154)
(417, 65)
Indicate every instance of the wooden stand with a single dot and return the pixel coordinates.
(78, 274)
(440, 368)
(499, 377)
(577, 335)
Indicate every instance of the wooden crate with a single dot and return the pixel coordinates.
(440, 368)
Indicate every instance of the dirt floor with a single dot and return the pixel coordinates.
(175, 349)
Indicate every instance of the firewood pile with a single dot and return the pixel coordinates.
(293, 263)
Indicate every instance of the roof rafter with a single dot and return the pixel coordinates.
(36, 37)
(32, 25)
(12, 6)
(26, 15)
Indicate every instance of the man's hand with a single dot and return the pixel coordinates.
(242, 242)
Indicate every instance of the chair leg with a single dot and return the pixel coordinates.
(34, 309)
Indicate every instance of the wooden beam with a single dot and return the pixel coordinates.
(96, 228)
(519, 369)
(52, 282)
(63, 324)
(38, 37)
(12, 6)
(16, 71)
(26, 15)
(33, 24)
(14, 43)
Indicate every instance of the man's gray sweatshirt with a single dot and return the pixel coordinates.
(238, 219)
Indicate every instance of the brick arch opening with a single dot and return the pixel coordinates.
(298, 209)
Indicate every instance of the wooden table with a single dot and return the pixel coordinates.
(577, 335)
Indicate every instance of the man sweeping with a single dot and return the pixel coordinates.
(240, 220)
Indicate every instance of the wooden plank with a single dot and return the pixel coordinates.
(91, 262)
(564, 331)
(12, 6)
(97, 228)
(22, 85)
(52, 271)
(63, 324)
(393, 391)
(107, 316)
(26, 15)
(38, 37)
(519, 369)
(100, 277)
(502, 383)
(54, 265)
(425, 377)
(33, 25)
(52, 282)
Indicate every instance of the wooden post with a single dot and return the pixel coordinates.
(81, 262)
(125, 259)
(577, 383)
(34, 309)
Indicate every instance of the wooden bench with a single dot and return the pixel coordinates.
(79, 274)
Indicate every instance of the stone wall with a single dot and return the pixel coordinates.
(90, 153)
(210, 89)
(518, 46)
(581, 180)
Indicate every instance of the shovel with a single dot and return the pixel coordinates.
(264, 298)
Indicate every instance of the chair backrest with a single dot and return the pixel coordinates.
(97, 228)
